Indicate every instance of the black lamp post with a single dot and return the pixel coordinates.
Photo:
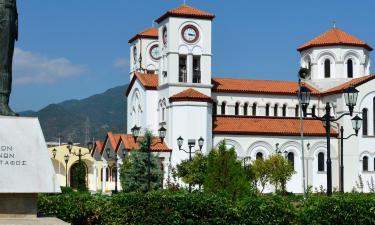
(79, 154)
(66, 159)
(357, 124)
(350, 95)
(162, 133)
(191, 144)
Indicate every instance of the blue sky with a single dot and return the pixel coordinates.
(73, 49)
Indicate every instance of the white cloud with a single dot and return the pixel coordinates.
(122, 64)
(31, 68)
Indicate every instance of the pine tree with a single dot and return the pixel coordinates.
(133, 172)
(225, 173)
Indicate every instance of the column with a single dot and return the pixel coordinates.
(118, 165)
(104, 172)
(95, 176)
(166, 171)
(189, 65)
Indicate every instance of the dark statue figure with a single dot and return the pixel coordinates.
(8, 37)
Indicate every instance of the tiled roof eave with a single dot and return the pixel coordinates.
(284, 134)
(139, 36)
(334, 44)
(259, 92)
(169, 14)
(187, 99)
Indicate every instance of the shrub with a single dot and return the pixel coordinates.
(270, 209)
(339, 209)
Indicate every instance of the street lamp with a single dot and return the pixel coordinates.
(135, 132)
(191, 144)
(350, 95)
(54, 151)
(108, 152)
(357, 124)
(66, 159)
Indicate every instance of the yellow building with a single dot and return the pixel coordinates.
(102, 162)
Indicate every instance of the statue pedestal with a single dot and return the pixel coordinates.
(25, 169)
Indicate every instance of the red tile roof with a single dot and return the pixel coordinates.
(334, 36)
(354, 82)
(98, 146)
(151, 33)
(190, 95)
(149, 81)
(156, 146)
(186, 11)
(272, 87)
(271, 126)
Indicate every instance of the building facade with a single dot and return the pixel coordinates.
(173, 87)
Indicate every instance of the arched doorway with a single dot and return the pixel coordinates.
(75, 169)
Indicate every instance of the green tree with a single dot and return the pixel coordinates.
(280, 171)
(79, 176)
(261, 174)
(193, 172)
(225, 173)
(134, 173)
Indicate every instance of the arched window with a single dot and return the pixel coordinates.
(267, 109)
(237, 108)
(327, 68)
(275, 109)
(214, 108)
(321, 162)
(254, 109)
(113, 173)
(259, 155)
(284, 110)
(365, 163)
(297, 110)
(223, 104)
(291, 158)
(365, 122)
(313, 109)
(350, 68)
(245, 108)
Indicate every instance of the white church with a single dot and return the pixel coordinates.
(172, 87)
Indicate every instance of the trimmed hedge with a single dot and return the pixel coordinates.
(201, 208)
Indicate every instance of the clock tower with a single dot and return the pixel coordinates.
(185, 76)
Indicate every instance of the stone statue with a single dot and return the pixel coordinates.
(8, 36)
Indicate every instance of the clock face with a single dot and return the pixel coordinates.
(154, 52)
(165, 36)
(190, 34)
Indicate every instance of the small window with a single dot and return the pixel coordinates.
(327, 68)
(284, 110)
(223, 104)
(365, 163)
(350, 68)
(313, 109)
(291, 158)
(268, 110)
(245, 107)
(214, 108)
(254, 109)
(196, 69)
(237, 109)
(321, 162)
(365, 122)
(163, 114)
(182, 74)
(275, 110)
(297, 111)
(259, 155)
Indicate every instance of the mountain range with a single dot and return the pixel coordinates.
(81, 121)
